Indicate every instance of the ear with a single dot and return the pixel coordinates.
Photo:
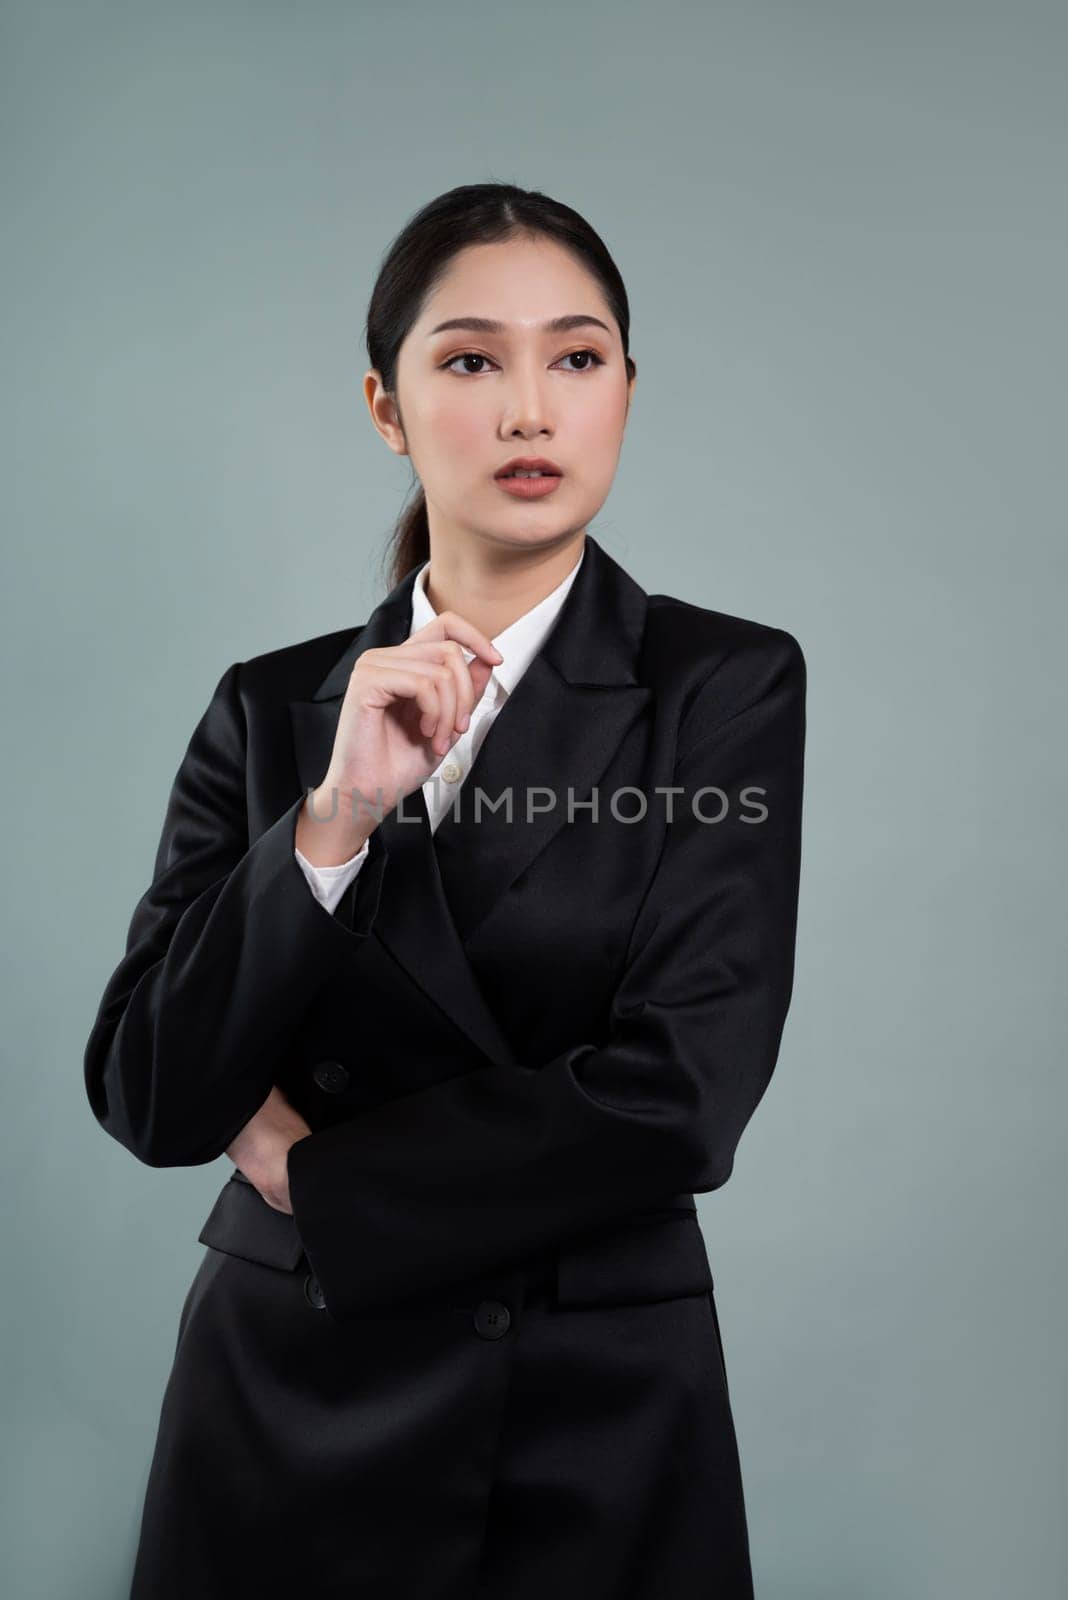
(631, 381)
(384, 412)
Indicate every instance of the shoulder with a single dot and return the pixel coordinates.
(703, 634)
(293, 671)
(720, 663)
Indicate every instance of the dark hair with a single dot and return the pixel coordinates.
(473, 213)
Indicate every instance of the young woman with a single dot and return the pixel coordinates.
(470, 941)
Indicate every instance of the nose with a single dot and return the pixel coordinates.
(527, 410)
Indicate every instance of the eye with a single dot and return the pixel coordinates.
(472, 355)
(466, 355)
(595, 360)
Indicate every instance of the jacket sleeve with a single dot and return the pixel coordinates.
(225, 951)
(478, 1172)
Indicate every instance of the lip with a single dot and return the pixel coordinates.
(529, 488)
(530, 464)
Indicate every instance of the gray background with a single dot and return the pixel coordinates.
(843, 232)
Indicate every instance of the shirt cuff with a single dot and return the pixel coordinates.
(328, 884)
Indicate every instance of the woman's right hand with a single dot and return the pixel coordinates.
(404, 706)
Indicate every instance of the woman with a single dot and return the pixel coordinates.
(472, 1039)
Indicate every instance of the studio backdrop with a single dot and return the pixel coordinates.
(845, 248)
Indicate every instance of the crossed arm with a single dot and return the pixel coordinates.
(498, 1163)
(228, 949)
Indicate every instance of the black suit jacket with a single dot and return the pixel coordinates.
(513, 1036)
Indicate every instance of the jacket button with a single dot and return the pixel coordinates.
(492, 1319)
(312, 1292)
(331, 1077)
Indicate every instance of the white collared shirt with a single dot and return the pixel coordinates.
(519, 643)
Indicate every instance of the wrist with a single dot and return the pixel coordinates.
(328, 832)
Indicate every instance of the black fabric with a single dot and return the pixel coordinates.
(586, 1454)
(552, 1031)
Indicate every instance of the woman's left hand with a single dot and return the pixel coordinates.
(261, 1149)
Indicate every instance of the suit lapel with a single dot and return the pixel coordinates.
(557, 731)
(549, 738)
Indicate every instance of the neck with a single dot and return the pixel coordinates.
(492, 586)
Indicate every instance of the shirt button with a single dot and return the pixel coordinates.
(450, 772)
(492, 1319)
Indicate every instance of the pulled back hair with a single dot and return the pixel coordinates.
(417, 260)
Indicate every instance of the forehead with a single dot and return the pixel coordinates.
(520, 282)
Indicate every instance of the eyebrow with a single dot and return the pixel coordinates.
(489, 325)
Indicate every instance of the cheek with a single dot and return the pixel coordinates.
(597, 428)
(449, 428)
(600, 404)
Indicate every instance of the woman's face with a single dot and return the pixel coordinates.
(469, 399)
